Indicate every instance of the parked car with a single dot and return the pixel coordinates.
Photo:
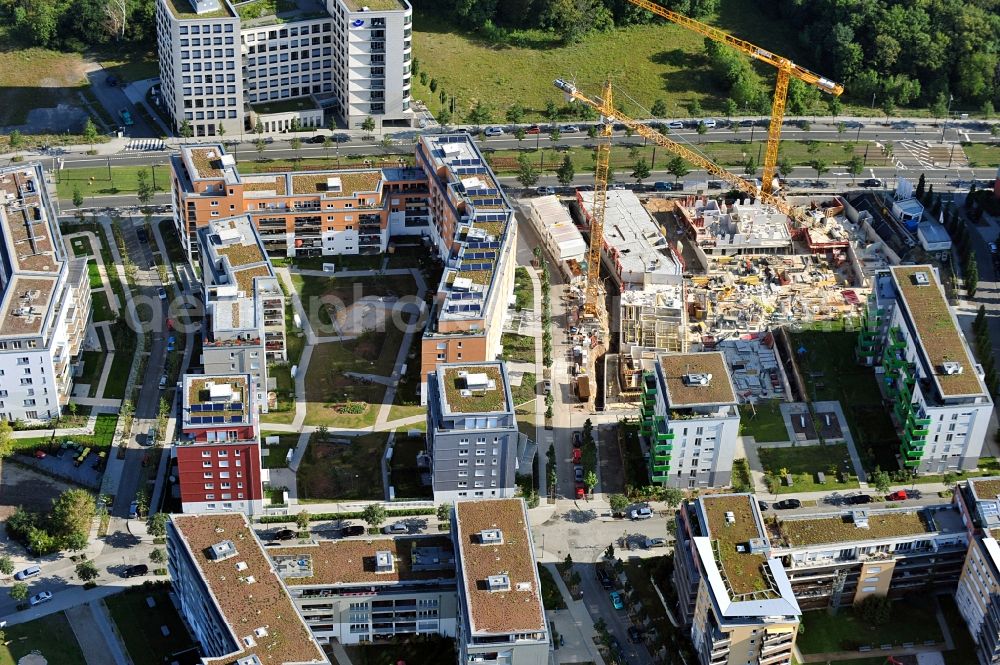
(661, 186)
(871, 182)
(354, 530)
(40, 598)
(762, 505)
(40, 454)
(547, 386)
(675, 124)
(578, 473)
(30, 571)
(709, 123)
(604, 577)
(993, 247)
(577, 456)
(171, 343)
(857, 499)
(616, 600)
(544, 190)
(137, 570)
(163, 382)
(398, 527)
(493, 131)
(898, 495)
(162, 293)
(141, 235)
(580, 491)
(569, 129)
(317, 139)
(577, 440)
(534, 129)
(133, 510)
(634, 635)
(656, 542)
(786, 504)
(619, 187)
(284, 534)
(640, 513)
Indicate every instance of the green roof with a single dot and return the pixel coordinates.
(183, 9)
(475, 401)
(742, 570)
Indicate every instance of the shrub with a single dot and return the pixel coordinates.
(316, 517)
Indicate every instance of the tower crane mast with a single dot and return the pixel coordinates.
(786, 70)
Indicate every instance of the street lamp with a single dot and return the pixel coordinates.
(944, 125)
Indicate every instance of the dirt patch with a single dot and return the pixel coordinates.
(20, 486)
(348, 470)
(369, 313)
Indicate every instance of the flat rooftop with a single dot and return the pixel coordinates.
(216, 400)
(31, 239)
(637, 243)
(480, 241)
(938, 335)
(209, 161)
(354, 561)
(683, 371)
(515, 607)
(985, 488)
(259, 12)
(248, 593)
(374, 5)
(333, 184)
(475, 388)
(842, 528)
(732, 524)
(183, 9)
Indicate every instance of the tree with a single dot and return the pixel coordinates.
(515, 113)
(659, 108)
(156, 525)
(260, 146)
(157, 555)
(296, 145)
(6, 439)
(433, 85)
(820, 166)
(641, 170)
(592, 131)
(220, 131)
(785, 167)
(443, 117)
(374, 514)
(619, 502)
(327, 144)
(854, 166)
(881, 480)
(77, 196)
(971, 276)
(478, 114)
(750, 166)
(519, 134)
(834, 105)
(185, 130)
(141, 502)
(87, 571)
(117, 13)
(19, 591)
(694, 108)
(16, 140)
(369, 124)
(6, 565)
(590, 480)
(672, 496)
(444, 512)
(90, 132)
(701, 129)
(555, 134)
(731, 107)
(302, 520)
(565, 172)
(72, 513)
(918, 193)
(987, 109)
(526, 173)
(939, 107)
(677, 167)
(875, 610)
(144, 189)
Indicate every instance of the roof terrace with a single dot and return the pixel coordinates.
(740, 545)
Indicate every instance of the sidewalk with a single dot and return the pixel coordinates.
(582, 625)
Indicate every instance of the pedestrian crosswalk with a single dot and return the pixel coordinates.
(144, 145)
(927, 155)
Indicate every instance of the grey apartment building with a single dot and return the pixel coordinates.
(472, 435)
(234, 65)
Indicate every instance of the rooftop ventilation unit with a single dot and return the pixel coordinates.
(228, 160)
(860, 519)
(260, 632)
(498, 583)
(478, 381)
(757, 545)
(491, 537)
(952, 368)
(252, 659)
(700, 379)
(334, 185)
(524, 586)
(921, 278)
(730, 517)
(383, 562)
(222, 550)
(242, 565)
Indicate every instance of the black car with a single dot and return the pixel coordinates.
(354, 530)
(871, 182)
(993, 247)
(634, 635)
(577, 440)
(141, 235)
(604, 578)
(787, 504)
(857, 499)
(136, 571)
(316, 139)
(284, 534)
(762, 505)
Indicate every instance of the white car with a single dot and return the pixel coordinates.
(570, 129)
(709, 123)
(643, 513)
(40, 598)
(675, 124)
(493, 131)
(398, 527)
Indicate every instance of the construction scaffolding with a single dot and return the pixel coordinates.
(655, 319)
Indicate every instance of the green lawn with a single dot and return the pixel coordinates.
(982, 154)
(763, 421)
(404, 474)
(803, 462)
(94, 274)
(422, 650)
(104, 428)
(140, 625)
(101, 307)
(275, 458)
(523, 290)
(350, 469)
(639, 573)
(50, 635)
(518, 347)
(527, 391)
(406, 402)
(552, 599)
(96, 181)
(636, 469)
(912, 621)
(173, 244)
(81, 247)
(93, 364)
(285, 388)
(124, 340)
(965, 649)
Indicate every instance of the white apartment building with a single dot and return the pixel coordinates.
(227, 64)
(939, 401)
(44, 300)
(245, 327)
(690, 418)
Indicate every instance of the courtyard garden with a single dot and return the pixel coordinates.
(342, 468)
(803, 463)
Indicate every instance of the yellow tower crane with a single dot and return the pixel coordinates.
(592, 305)
(786, 69)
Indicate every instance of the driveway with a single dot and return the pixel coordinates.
(114, 99)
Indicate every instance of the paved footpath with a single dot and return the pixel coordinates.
(578, 627)
(93, 631)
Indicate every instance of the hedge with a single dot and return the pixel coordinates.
(319, 517)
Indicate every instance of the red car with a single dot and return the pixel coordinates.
(577, 456)
(580, 491)
(898, 495)
(534, 129)
(39, 454)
